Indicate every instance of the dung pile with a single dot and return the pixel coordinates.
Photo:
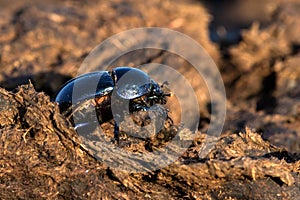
(42, 157)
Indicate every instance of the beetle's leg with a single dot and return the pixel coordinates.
(137, 108)
(116, 132)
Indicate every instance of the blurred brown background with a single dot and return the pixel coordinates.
(254, 43)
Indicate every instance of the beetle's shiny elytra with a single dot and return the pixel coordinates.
(130, 84)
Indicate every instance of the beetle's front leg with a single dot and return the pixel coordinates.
(116, 132)
(137, 108)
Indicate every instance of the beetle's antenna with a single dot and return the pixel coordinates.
(170, 94)
(164, 83)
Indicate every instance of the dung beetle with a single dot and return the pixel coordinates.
(125, 85)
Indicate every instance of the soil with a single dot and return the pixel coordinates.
(254, 44)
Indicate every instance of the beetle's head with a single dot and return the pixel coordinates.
(157, 94)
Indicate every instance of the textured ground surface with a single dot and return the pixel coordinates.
(42, 157)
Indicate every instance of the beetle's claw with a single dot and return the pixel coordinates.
(115, 141)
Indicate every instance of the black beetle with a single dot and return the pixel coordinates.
(130, 85)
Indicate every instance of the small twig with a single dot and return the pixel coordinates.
(24, 135)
